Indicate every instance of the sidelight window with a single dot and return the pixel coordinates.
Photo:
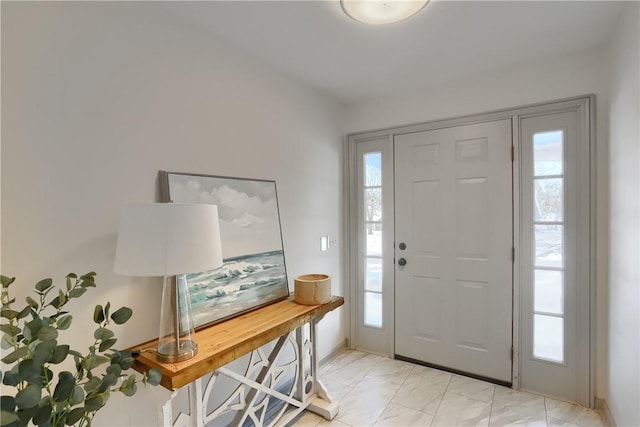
(372, 222)
(548, 233)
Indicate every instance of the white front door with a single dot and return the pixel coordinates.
(453, 248)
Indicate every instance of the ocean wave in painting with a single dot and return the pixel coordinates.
(240, 284)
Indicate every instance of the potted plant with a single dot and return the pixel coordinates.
(31, 346)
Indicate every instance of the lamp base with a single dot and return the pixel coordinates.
(168, 353)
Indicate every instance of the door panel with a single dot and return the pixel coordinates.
(453, 190)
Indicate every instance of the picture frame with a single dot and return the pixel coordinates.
(254, 271)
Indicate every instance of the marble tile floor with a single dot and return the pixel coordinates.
(377, 391)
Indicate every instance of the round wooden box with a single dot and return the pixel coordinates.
(312, 289)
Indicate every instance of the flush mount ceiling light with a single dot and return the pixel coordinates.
(381, 11)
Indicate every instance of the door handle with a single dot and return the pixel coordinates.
(402, 262)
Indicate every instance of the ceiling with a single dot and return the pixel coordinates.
(316, 43)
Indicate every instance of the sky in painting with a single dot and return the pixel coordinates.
(247, 209)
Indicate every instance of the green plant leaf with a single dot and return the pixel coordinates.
(114, 369)
(77, 292)
(8, 313)
(92, 384)
(59, 354)
(94, 360)
(89, 276)
(103, 334)
(47, 376)
(44, 284)
(107, 381)
(24, 313)
(154, 376)
(6, 281)
(32, 328)
(47, 333)
(4, 297)
(7, 403)
(77, 396)
(44, 351)
(121, 315)
(25, 414)
(75, 353)
(107, 344)
(117, 355)
(14, 356)
(94, 403)
(11, 378)
(74, 416)
(10, 330)
(72, 276)
(88, 280)
(64, 322)
(32, 303)
(55, 302)
(30, 372)
(126, 362)
(43, 414)
(29, 396)
(64, 389)
(98, 314)
(87, 284)
(8, 418)
(55, 316)
(129, 386)
(7, 341)
(61, 299)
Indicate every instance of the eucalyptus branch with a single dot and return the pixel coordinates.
(74, 397)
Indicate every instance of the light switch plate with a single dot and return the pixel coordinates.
(324, 243)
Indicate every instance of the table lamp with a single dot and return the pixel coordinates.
(170, 240)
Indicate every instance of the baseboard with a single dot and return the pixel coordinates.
(334, 352)
(603, 408)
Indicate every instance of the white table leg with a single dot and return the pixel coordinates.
(321, 403)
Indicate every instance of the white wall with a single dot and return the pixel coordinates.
(580, 74)
(96, 98)
(624, 227)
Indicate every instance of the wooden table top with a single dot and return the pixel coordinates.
(226, 341)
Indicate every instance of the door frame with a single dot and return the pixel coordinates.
(586, 300)
(384, 336)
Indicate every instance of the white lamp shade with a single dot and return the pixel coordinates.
(165, 239)
(381, 11)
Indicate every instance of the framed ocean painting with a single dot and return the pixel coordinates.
(253, 273)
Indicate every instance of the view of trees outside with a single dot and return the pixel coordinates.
(373, 223)
(548, 186)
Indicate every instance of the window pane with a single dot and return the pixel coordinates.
(372, 169)
(547, 153)
(548, 241)
(373, 204)
(373, 309)
(548, 337)
(373, 275)
(374, 239)
(549, 294)
(548, 199)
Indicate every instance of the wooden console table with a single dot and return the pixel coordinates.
(227, 341)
